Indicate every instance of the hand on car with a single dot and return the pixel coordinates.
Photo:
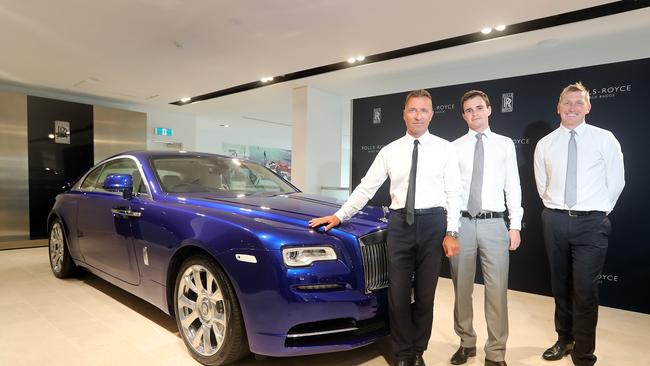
(329, 222)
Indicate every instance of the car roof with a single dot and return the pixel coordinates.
(145, 154)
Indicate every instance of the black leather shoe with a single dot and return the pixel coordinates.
(408, 362)
(419, 361)
(558, 351)
(460, 357)
(495, 363)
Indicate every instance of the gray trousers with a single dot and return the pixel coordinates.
(489, 239)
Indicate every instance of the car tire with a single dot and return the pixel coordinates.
(60, 260)
(207, 312)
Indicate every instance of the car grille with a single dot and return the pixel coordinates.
(375, 260)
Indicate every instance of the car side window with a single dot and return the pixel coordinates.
(91, 178)
(119, 166)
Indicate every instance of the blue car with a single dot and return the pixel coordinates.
(222, 244)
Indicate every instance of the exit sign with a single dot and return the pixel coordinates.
(162, 131)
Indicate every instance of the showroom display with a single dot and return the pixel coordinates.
(222, 245)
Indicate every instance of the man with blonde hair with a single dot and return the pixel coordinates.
(579, 175)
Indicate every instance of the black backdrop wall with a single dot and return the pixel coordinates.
(52, 165)
(524, 108)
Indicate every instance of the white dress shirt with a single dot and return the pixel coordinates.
(601, 176)
(500, 174)
(437, 180)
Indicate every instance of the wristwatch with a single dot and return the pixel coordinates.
(453, 234)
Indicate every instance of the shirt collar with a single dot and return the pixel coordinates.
(426, 137)
(487, 132)
(580, 129)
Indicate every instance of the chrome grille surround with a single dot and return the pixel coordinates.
(374, 254)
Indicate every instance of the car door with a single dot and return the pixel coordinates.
(104, 225)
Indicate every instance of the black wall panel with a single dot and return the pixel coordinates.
(619, 95)
(53, 165)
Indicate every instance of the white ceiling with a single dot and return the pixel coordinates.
(153, 52)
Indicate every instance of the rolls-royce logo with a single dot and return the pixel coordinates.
(609, 91)
(507, 102)
(608, 278)
(62, 132)
(442, 108)
(376, 116)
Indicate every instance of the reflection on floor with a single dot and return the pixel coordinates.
(86, 321)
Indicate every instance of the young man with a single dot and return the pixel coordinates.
(579, 174)
(424, 213)
(490, 181)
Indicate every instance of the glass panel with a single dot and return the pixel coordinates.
(119, 166)
(91, 178)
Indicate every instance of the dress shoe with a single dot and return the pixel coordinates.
(408, 362)
(419, 361)
(558, 351)
(460, 357)
(495, 363)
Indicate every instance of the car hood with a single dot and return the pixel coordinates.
(297, 207)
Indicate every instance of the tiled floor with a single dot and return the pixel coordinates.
(86, 321)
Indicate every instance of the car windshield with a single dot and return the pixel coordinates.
(216, 174)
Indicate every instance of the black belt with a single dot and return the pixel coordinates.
(577, 213)
(423, 211)
(485, 215)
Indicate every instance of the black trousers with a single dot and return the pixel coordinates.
(576, 248)
(414, 252)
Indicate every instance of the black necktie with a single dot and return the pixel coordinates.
(410, 194)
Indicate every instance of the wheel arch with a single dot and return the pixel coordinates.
(187, 251)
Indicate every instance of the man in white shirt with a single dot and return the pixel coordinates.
(579, 175)
(424, 214)
(490, 181)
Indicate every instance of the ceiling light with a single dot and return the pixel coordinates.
(185, 99)
(266, 79)
(225, 126)
(486, 30)
(352, 60)
(500, 27)
(361, 58)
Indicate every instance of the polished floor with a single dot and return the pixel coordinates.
(86, 321)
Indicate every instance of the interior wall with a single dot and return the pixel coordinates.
(210, 135)
(117, 130)
(14, 202)
(53, 163)
(183, 131)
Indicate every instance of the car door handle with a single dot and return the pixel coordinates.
(125, 212)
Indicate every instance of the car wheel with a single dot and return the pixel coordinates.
(60, 260)
(208, 315)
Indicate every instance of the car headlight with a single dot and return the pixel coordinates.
(304, 256)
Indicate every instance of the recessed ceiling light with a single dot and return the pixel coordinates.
(500, 27)
(361, 58)
(185, 99)
(486, 30)
(352, 60)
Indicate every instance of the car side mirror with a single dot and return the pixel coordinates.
(119, 183)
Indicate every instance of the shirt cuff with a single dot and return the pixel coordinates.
(340, 215)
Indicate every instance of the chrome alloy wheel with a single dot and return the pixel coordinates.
(57, 247)
(201, 310)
